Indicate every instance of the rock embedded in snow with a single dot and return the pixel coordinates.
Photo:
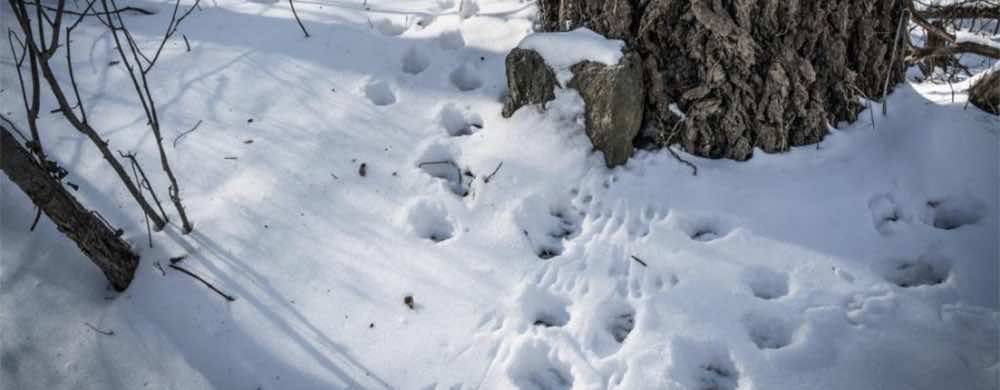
(529, 80)
(608, 80)
(613, 96)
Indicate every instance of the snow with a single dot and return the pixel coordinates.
(867, 261)
(564, 49)
(982, 39)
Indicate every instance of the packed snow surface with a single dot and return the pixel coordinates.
(868, 261)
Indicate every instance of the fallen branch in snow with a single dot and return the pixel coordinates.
(956, 46)
(228, 297)
(638, 260)
(296, 14)
(107, 332)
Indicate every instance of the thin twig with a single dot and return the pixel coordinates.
(135, 176)
(296, 14)
(892, 60)
(638, 260)
(107, 332)
(181, 135)
(490, 176)
(209, 285)
(673, 133)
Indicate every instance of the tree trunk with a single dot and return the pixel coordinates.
(748, 74)
(96, 239)
(985, 92)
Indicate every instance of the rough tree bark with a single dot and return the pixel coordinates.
(96, 239)
(985, 93)
(748, 73)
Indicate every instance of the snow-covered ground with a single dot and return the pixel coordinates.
(869, 261)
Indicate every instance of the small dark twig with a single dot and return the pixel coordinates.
(490, 176)
(296, 14)
(107, 332)
(38, 216)
(694, 169)
(177, 259)
(160, 268)
(638, 260)
(144, 184)
(228, 297)
(181, 135)
(186, 43)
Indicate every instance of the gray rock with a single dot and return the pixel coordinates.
(985, 93)
(613, 97)
(529, 80)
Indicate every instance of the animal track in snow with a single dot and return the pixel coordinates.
(430, 220)
(458, 122)
(438, 163)
(767, 332)
(885, 212)
(465, 78)
(621, 323)
(927, 270)
(704, 365)
(702, 229)
(451, 40)
(766, 283)
(559, 225)
(379, 92)
(533, 365)
(954, 212)
(415, 61)
(541, 307)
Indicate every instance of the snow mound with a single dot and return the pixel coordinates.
(564, 49)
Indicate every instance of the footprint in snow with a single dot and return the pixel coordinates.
(885, 212)
(451, 40)
(388, 27)
(768, 332)
(703, 228)
(379, 93)
(703, 365)
(765, 283)
(955, 211)
(437, 161)
(459, 122)
(415, 61)
(430, 220)
(465, 79)
(930, 269)
(560, 225)
(534, 365)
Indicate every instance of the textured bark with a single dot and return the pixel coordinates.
(747, 73)
(985, 93)
(99, 242)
